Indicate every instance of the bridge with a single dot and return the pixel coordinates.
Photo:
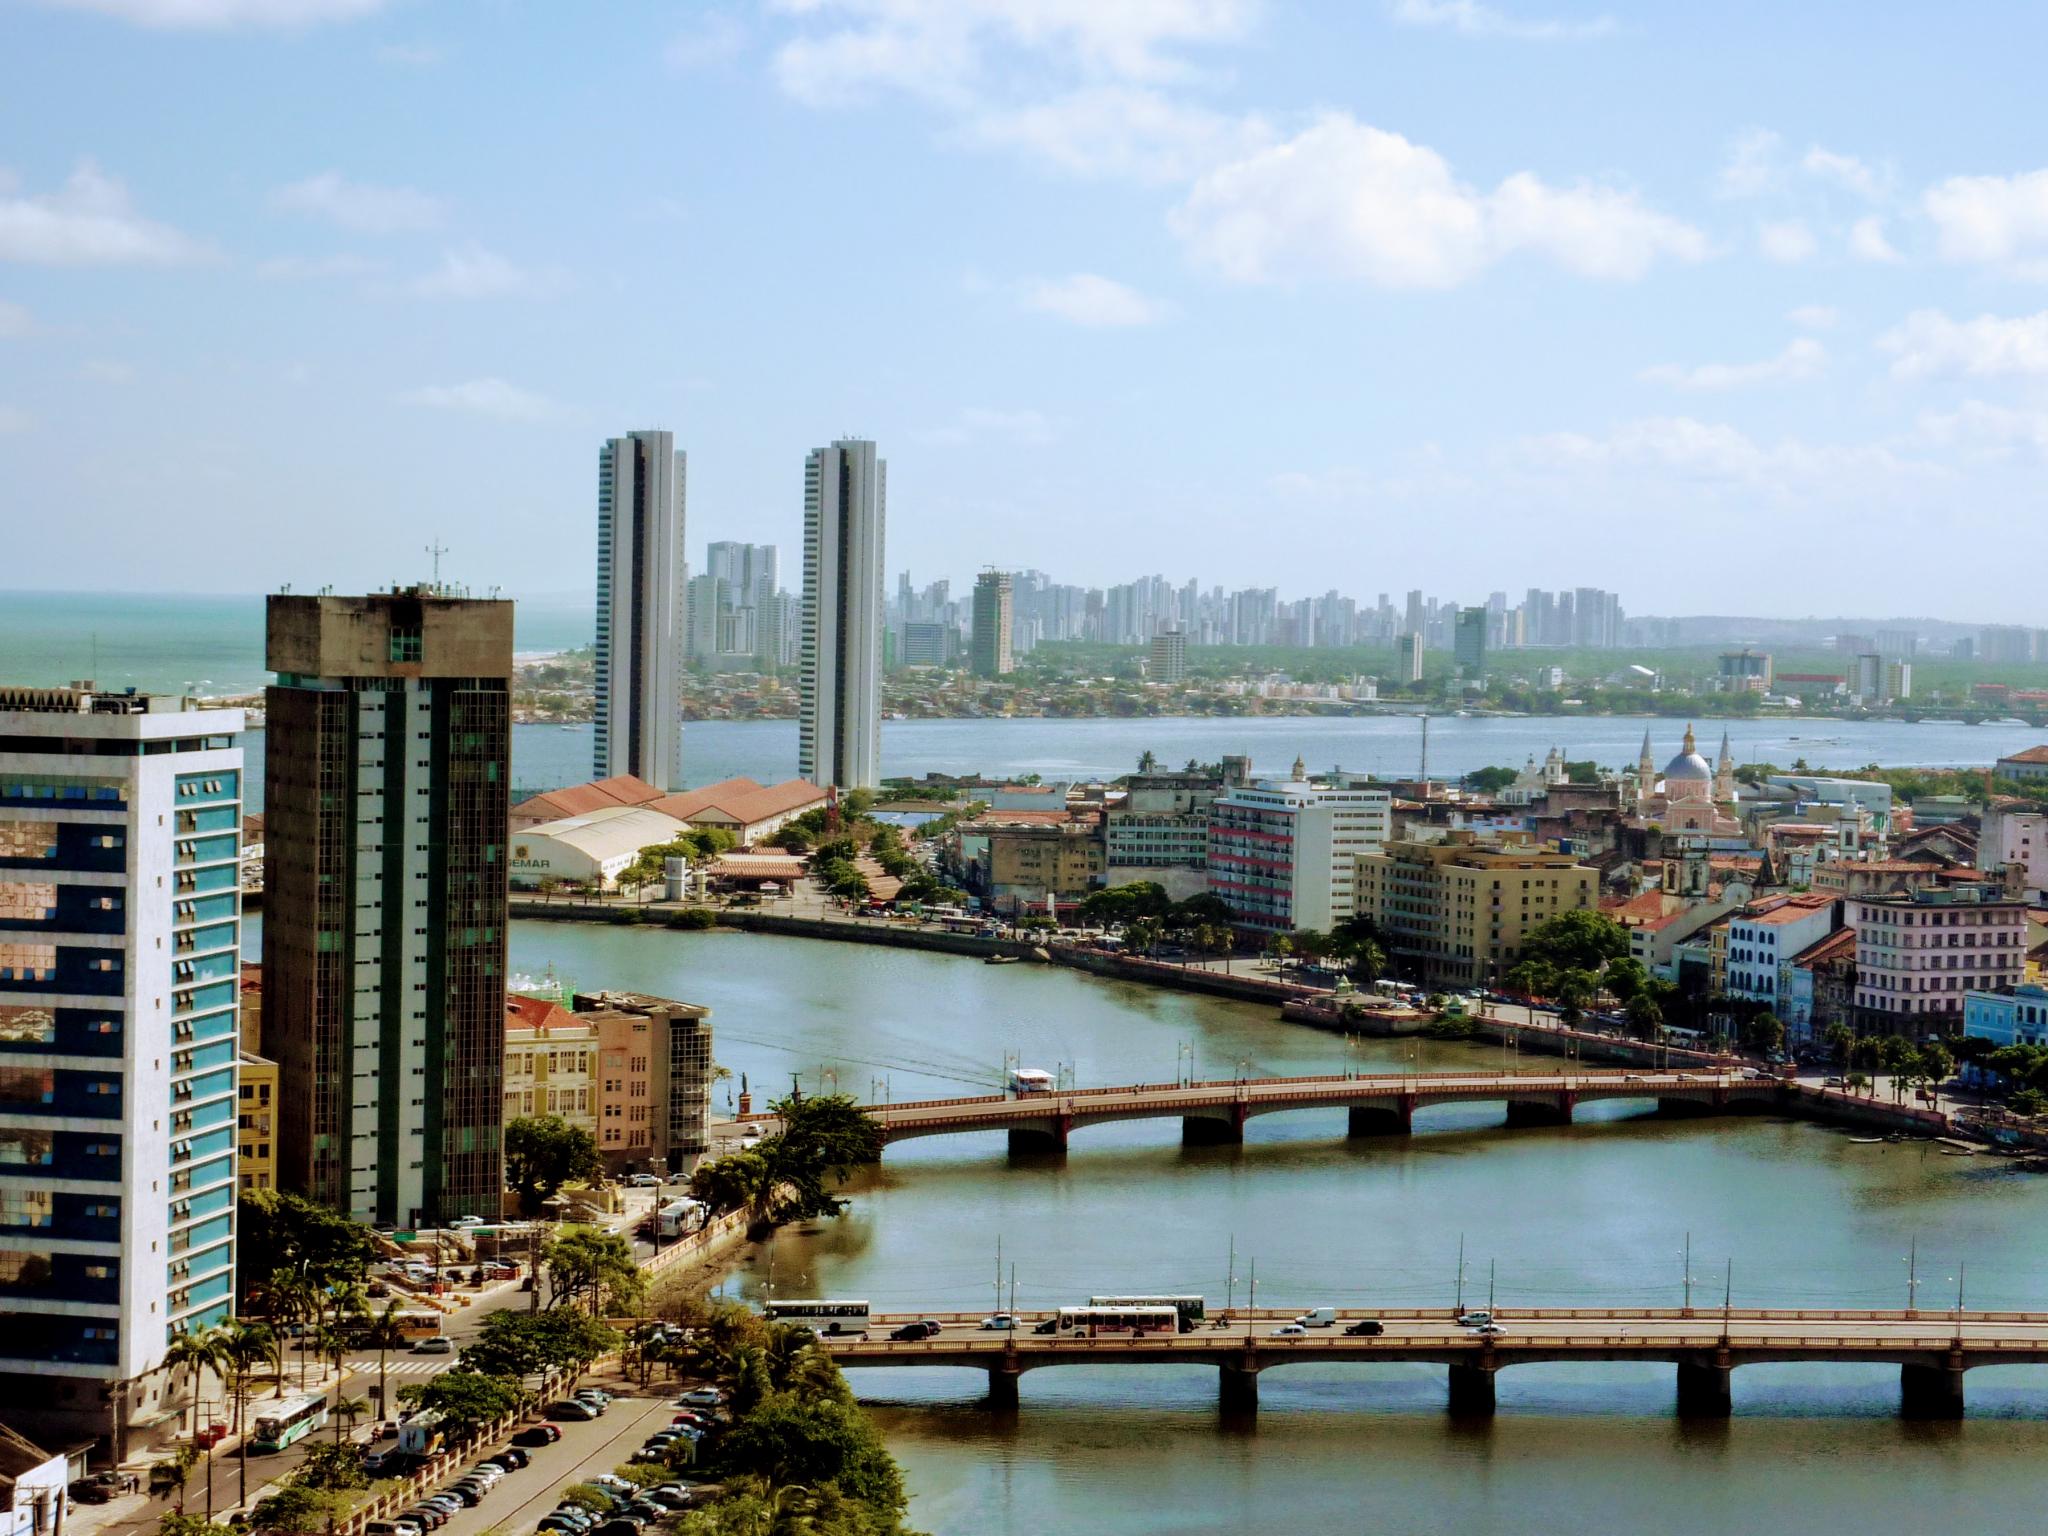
(1933, 1350)
(1214, 1112)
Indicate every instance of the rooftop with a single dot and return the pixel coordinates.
(740, 800)
(2030, 755)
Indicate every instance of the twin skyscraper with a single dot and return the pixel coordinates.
(644, 619)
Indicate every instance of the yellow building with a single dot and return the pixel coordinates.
(551, 1056)
(255, 1141)
(1458, 910)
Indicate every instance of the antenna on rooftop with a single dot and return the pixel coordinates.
(437, 549)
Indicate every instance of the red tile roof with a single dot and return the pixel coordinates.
(581, 799)
(741, 801)
(2030, 755)
(523, 1012)
(1839, 945)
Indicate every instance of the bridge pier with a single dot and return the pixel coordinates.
(1705, 1390)
(1238, 1388)
(1538, 1112)
(1203, 1131)
(1002, 1387)
(1932, 1391)
(1373, 1120)
(1472, 1394)
(1032, 1140)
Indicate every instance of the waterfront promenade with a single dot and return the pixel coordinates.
(1932, 1348)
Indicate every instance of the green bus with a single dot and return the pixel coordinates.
(282, 1423)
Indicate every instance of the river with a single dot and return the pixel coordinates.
(1593, 1214)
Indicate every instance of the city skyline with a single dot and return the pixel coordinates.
(1567, 298)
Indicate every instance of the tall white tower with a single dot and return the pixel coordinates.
(839, 739)
(642, 484)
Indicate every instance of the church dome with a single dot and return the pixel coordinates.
(1689, 766)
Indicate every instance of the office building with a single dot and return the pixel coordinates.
(1456, 912)
(641, 609)
(989, 646)
(120, 841)
(1918, 953)
(1469, 642)
(926, 645)
(1409, 667)
(1168, 662)
(1284, 854)
(1745, 671)
(839, 727)
(385, 816)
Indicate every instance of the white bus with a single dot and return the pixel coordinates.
(1108, 1322)
(279, 1424)
(828, 1319)
(1031, 1080)
(1190, 1309)
(417, 1325)
(679, 1217)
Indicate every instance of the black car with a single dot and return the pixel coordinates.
(426, 1516)
(617, 1527)
(539, 1434)
(1050, 1325)
(96, 1489)
(1368, 1327)
(911, 1332)
(511, 1460)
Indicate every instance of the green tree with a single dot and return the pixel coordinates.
(1582, 940)
(466, 1400)
(1838, 1039)
(281, 1238)
(1645, 1017)
(246, 1346)
(335, 1466)
(172, 1524)
(383, 1334)
(1763, 1034)
(811, 1443)
(544, 1152)
(520, 1344)
(1490, 781)
(295, 1510)
(168, 1477)
(587, 1263)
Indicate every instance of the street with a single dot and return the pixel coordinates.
(522, 1497)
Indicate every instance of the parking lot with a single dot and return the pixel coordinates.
(584, 1449)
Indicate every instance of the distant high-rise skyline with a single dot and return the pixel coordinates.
(387, 759)
(642, 494)
(988, 651)
(839, 734)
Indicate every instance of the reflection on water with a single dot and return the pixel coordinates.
(1597, 1213)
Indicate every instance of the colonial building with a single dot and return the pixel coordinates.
(1458, 910)
(1692, 795)
(1917, 954)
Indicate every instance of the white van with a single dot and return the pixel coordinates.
(1318, 1317)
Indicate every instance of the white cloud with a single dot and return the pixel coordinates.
(1801, 359)
(1999, 221)
(1753, 166)
(359, 205)
(1086, 298)
(1694, 450)
(1868, 241)
(13, 419)
(214, 15)
(978, 424)
(1930, 344)
(89, 224)
(1814, 317)
(1472, 19)
(1349, 200)
(713, 38)
(343, 264)
(102, 370)
(475, 273)
(1994, 430)
(14, 321)
(1788, 241)
(1120, 131)
(491, 397)
(1869, 182)
(938, 48)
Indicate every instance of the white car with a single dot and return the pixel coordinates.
(1289, 1330)
(702, 1397)
(461, 1222)
(751, 1132)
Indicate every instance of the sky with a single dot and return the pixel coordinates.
(1731, 308)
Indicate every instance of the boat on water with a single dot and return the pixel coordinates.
(1866, 1141)
(1002, 959)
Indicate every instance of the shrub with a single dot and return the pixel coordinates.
(693, 918)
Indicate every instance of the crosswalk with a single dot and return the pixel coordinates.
(403, 1365)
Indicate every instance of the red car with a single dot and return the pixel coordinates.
(210, 1435)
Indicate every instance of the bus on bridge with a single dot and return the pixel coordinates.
(1191, 1309)
(827, 1319)
(1111, 1322)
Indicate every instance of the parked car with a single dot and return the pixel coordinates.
(398, 1527)
(471, 1494)
(571, 1410)
(537, 1435)
(421, 1514)
(711, 1397)
(688, 1416)
(511, 1459)
(618, 1525)
(642, 1181)
(560, 1524)
(1367, 1327)
(97, 1489)
(594, 1395)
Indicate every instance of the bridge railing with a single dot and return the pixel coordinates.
(1702, 1338)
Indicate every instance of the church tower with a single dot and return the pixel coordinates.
(1646, 772)
(1724, 773)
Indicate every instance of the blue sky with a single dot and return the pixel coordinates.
(1729, 308)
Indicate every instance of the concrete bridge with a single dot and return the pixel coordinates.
(1933, 1350)
(1215, 1112)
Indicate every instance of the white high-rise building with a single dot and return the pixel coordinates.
(845, 507)
(642, 490)
(120, 897)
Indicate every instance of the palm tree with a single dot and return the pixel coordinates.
(194, 1353)
(350, 1408)
(247, 1346)
(168, 1478)
(384, 1333)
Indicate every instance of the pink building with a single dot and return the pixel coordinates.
(1917, 954)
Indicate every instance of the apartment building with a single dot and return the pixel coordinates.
(120, 944)
(256, 1124)
(1284, 854)
(1917, 954)
(1765, 936)
(1457, 911)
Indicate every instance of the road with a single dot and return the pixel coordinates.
(522, 1497)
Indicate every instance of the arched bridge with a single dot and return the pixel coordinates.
(1931, 1349)
(1385, 1104)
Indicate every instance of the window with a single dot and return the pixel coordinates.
(22, 1025)
(408, 643)
(28, 839)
